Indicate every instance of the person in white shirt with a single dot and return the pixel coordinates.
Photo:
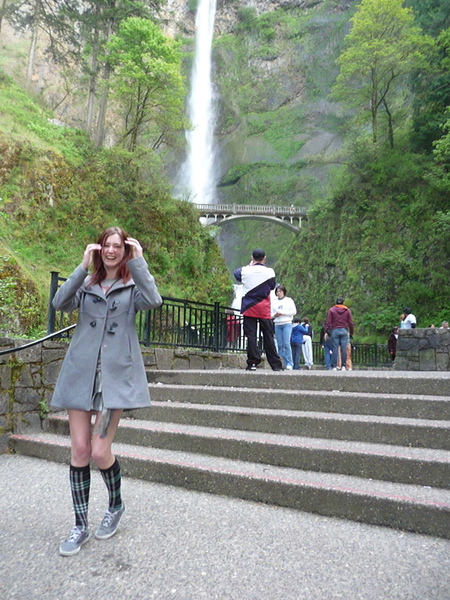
(408, 320)
(307, 344)
(283, 311)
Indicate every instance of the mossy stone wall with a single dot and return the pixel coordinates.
(28, 377)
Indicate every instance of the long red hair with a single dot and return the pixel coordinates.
(99, 271)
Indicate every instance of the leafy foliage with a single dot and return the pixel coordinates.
(52, 205)
(146, 80)
(383, 46)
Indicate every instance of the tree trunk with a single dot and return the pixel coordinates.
(100, 133)
(374, 124)
(33, 45)
(93, 78)
(390, 125)
(3, 4)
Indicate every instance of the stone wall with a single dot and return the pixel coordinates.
(27, 378)
(423, 350)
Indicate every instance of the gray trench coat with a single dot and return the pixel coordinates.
(106, 324)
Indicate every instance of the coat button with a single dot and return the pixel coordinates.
(93, 323)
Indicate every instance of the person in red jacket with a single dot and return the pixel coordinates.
(338, 326)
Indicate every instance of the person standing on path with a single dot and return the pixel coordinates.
(338, 326)
(298, 331)
(258, 281)
(103, 370)
(327, 346)
(283, 311)
(392, 343)
(307, 348)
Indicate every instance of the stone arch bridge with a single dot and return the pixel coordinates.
(287, 216)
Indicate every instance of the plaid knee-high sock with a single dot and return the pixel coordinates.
(112, 478)
(80, 485)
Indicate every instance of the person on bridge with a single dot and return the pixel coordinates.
(103, 370)
(258, 281)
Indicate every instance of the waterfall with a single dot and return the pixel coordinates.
(197, 178)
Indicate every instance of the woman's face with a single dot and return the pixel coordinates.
(113, 251)
(279, 293)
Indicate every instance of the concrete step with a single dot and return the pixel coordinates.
(435, 383)
(408, 507)
(383, 430)
(360, 403)
(418, 466)
(368, 446)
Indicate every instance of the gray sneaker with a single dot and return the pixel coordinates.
(78, 536)
(109, 524)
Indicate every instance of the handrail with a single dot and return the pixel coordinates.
(182, 323)
(40, 341)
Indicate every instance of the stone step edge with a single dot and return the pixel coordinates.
(435, 383)
(171, 405)
(213, 433)
(434, 407)
(401, 431)
(401, 506)
(298, 392)
(389, 463)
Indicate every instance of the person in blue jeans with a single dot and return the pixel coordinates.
(298, 331)
(327, 348)
(338, 327)
(283, 311)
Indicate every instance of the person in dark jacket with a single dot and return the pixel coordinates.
(327, 346)
(298, 331)
(103, 370)
(338, 326)
(392, 343)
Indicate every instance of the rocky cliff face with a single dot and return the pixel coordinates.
(179, 18)
(278, 131)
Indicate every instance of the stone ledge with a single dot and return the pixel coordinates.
(423, 349)
(28, 377)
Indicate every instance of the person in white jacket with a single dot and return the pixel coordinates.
(283, 311)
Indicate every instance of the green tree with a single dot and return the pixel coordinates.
(49, 17)
(432, 96)
(383, 46)
(147, 81)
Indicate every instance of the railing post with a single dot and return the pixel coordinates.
(376, 355)
(51, 311)
(217, 327)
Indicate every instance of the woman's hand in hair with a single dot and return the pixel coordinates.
(87, 256)
(136, 248)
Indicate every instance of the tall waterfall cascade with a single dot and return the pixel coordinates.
(197, 176)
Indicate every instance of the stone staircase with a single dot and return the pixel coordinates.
(368, 446)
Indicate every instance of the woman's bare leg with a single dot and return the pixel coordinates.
(101, 447)
(80, 437)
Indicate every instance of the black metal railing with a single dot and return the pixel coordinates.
(182, 323)
(62, 333)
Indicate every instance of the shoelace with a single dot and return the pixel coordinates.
(75, 534)
(107, 519)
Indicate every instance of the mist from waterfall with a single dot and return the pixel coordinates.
(197, 177)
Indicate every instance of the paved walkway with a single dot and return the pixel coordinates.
(176, 544)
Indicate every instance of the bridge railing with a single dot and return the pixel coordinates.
(182, 323)
(234, 209)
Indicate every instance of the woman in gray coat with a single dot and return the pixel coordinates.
(103, 371)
